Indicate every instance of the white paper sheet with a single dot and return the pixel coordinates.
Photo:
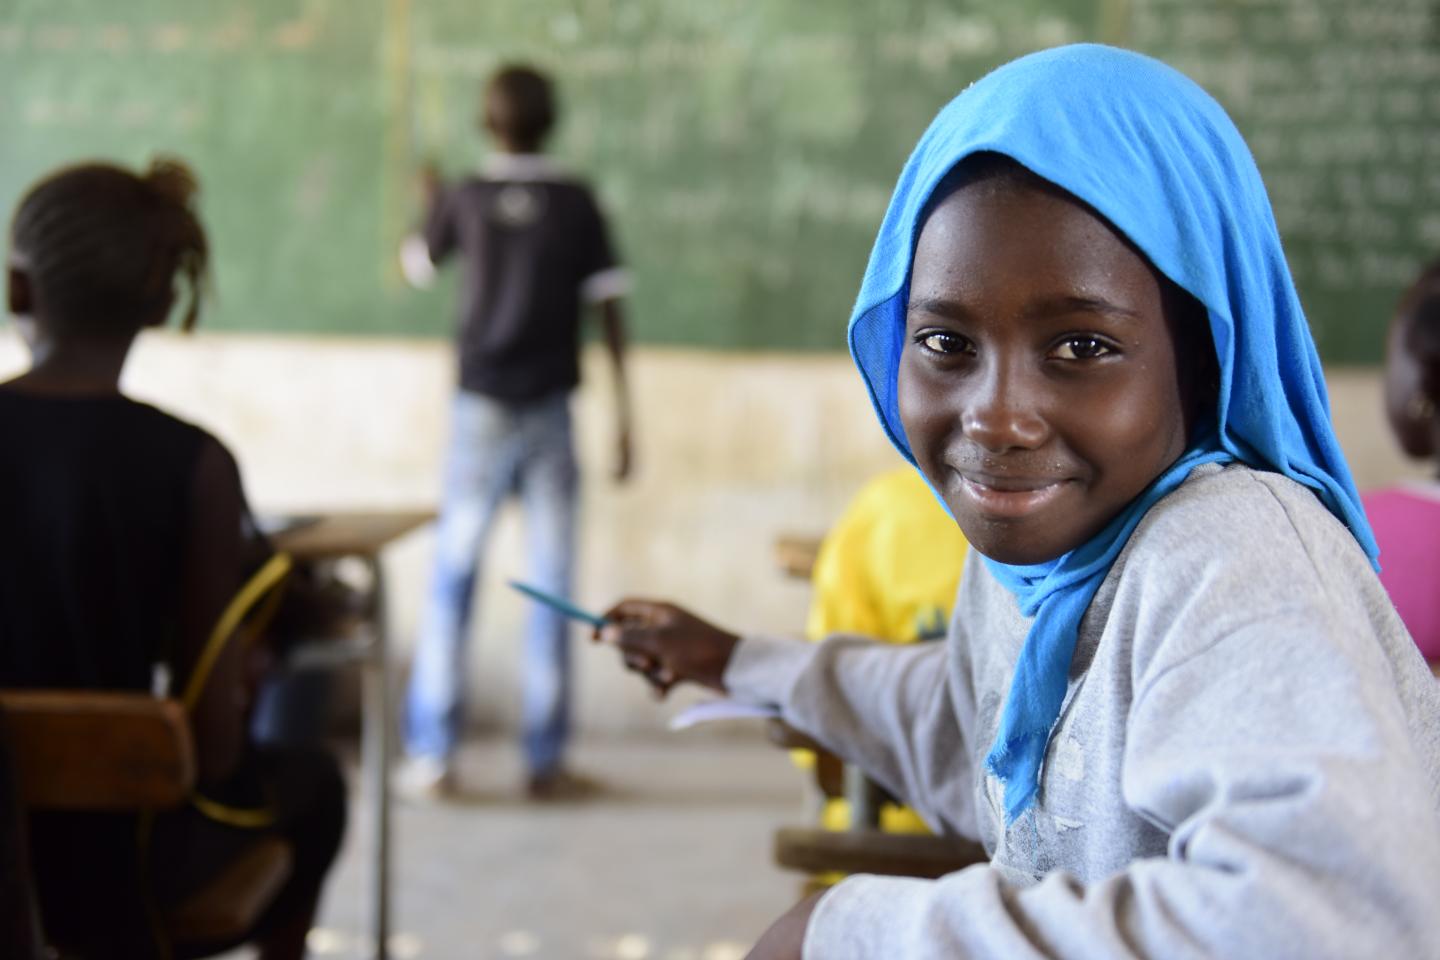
(712, 710)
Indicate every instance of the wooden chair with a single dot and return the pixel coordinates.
(864, 847)
(125, 752)
(100, 751)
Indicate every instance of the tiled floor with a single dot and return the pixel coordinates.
(670, 862)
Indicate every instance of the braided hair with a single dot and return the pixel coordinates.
(102, 245)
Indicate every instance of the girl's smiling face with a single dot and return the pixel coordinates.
(1040, 382)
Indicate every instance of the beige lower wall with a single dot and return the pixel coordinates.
(733, 449)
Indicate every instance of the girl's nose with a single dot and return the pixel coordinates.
(1003, 411)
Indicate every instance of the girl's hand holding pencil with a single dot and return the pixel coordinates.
(667, 644)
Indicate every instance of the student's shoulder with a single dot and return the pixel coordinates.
(1234, 546)
(193, 441)
(213, 469)
(1233, 550)
(549, 174)
(576, 189)
(121, 418)
(162, 419)
(466, 188)
(1241, 516)
(562, 186)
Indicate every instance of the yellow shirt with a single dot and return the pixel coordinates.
(890, 566)
(888, 569)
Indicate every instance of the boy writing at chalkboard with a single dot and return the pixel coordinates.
(534, 249)
(1174, 703)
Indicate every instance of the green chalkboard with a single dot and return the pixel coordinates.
(744, 148)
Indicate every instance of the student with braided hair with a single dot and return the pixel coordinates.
(126, 535)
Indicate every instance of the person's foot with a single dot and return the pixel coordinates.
(561, 786)
(424, 779)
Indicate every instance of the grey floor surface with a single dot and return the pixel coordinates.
(670, 861)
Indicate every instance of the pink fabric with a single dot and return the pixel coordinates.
(1407, 527)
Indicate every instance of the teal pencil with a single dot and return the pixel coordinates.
(559, 605)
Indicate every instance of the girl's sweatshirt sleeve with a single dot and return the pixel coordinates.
(1302, 824)
(885, 707)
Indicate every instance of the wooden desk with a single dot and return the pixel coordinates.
(362, 535)
(359, 534)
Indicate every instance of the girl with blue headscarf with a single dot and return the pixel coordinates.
(1174, 705)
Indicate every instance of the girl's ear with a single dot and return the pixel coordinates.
(20, 297)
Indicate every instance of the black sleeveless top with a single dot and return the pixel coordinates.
(95, 496)
(95, 493)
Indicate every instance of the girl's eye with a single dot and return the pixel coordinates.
(942, 342)
(1082, 348)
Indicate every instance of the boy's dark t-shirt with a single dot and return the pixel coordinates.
(529, 239)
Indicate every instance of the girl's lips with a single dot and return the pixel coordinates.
(1011, 497)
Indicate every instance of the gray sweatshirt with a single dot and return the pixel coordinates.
(1247, 764)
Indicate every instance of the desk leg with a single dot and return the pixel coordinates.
(864, 799)
(376, 764)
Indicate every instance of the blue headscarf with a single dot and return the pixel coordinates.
(1159, 159)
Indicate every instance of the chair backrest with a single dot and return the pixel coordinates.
(91, 750)
(244, 618)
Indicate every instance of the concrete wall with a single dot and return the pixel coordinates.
(732, 451)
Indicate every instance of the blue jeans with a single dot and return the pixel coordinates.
(499, 448)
